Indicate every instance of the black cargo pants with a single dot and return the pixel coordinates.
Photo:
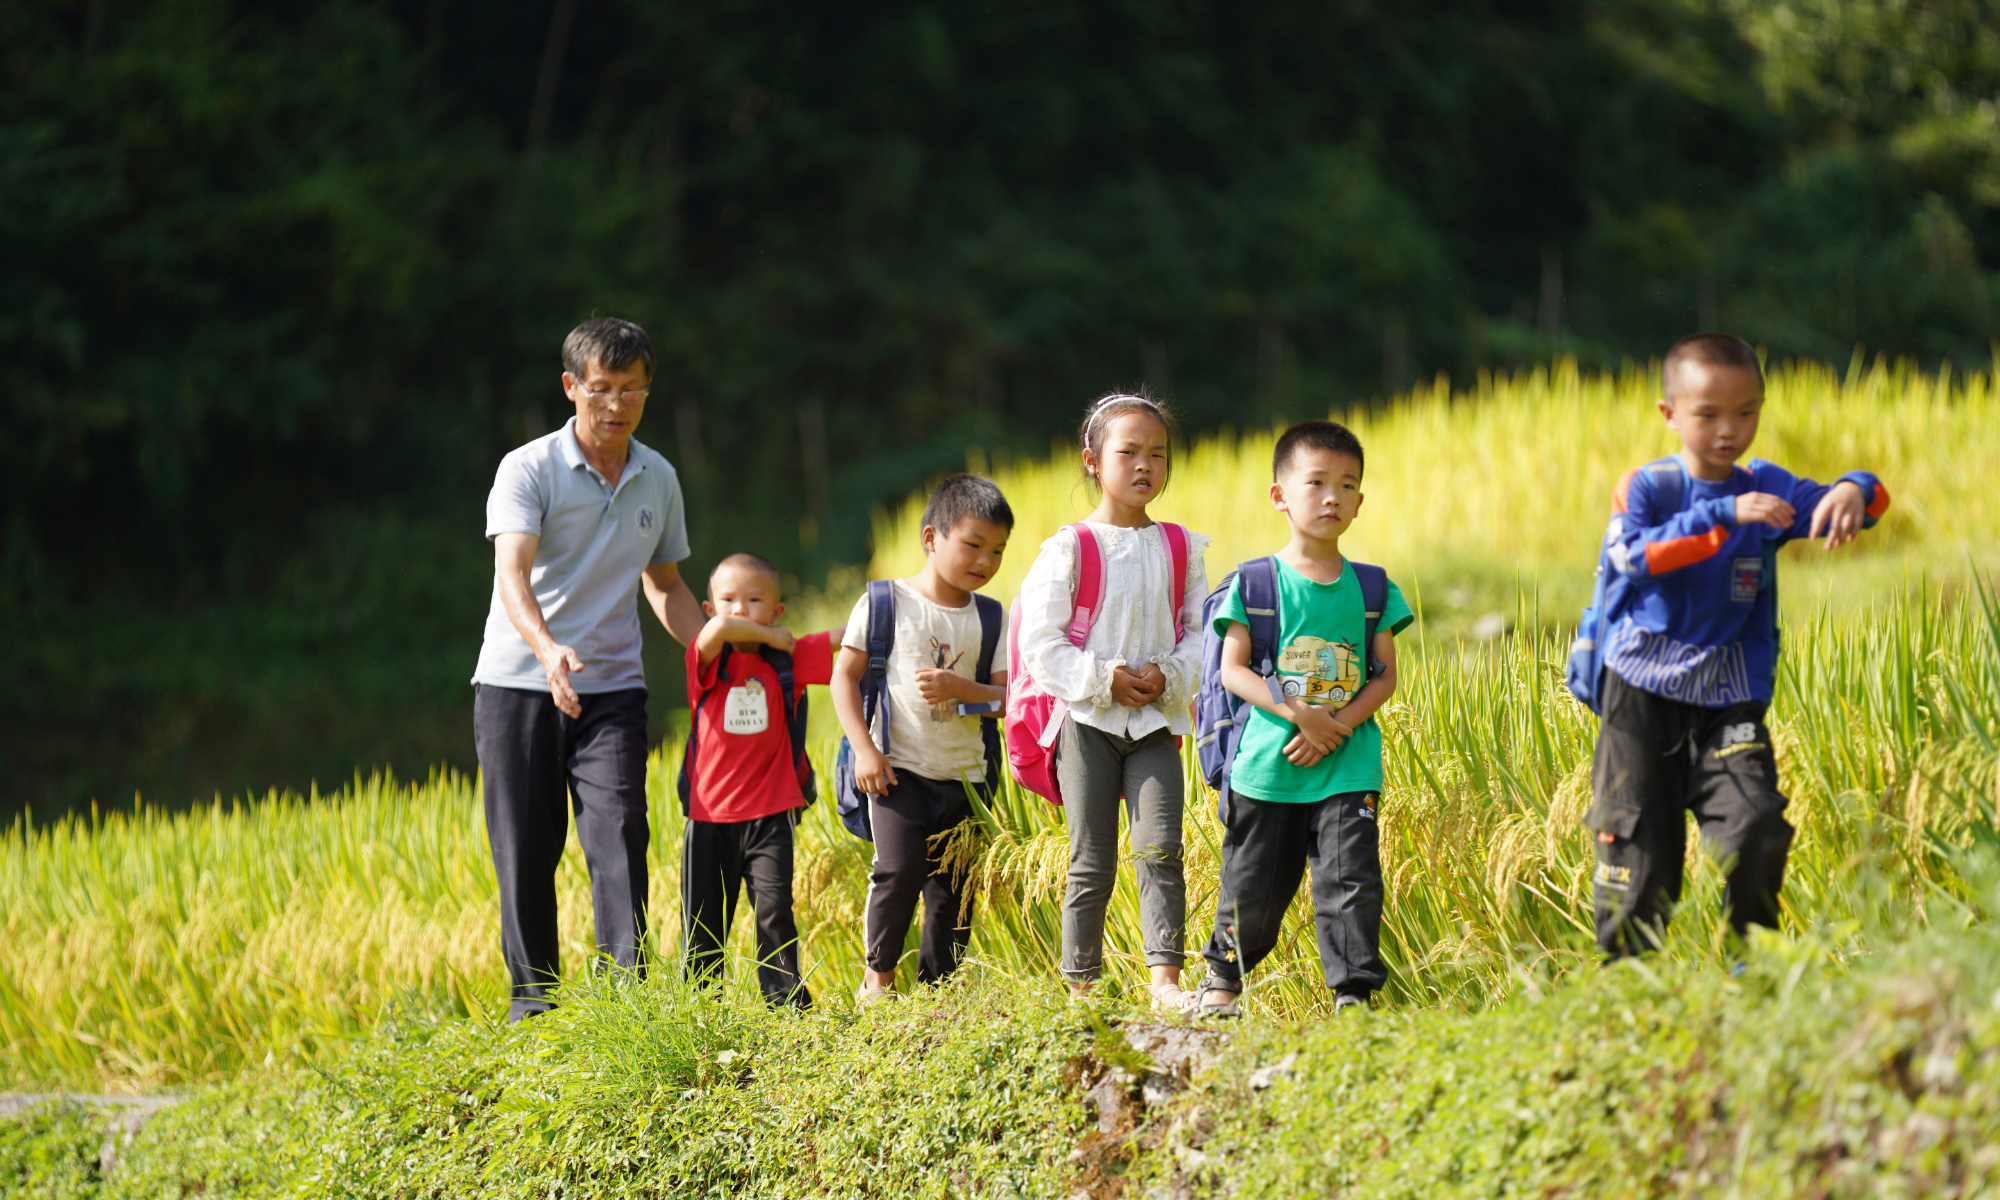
(534, 763)
(1656, 761)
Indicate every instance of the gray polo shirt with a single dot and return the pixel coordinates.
(595, 540)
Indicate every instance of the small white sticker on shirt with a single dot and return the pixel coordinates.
(746, 710)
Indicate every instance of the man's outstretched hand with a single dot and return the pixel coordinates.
(558, 662)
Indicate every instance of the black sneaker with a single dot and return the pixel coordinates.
(1342, 1001)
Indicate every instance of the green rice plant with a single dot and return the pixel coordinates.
(150, 950)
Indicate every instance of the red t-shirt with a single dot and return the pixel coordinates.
(743, 753)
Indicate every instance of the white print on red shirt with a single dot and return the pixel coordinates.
(746, 710)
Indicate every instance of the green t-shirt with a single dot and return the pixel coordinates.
(1320, 657)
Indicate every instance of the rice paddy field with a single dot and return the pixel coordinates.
(160, 950)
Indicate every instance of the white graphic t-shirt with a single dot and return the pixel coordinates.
(929, 739)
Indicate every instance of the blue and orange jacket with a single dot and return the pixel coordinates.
(1690, 600)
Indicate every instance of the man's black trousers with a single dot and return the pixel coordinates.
(1656, 761)
(718, 859)
(534, 763)
(1265, 848)
(909, 866)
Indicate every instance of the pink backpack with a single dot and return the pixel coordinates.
(1034, 717)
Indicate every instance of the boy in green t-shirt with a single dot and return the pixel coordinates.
(1305, 777)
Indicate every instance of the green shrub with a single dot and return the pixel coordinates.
(50, 1151)
(1824, 1070)
(652, 1089)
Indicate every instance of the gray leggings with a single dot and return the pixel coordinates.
(1093, 767)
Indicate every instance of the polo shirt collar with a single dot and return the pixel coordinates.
(572, 452)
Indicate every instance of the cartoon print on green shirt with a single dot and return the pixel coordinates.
(1327, 674)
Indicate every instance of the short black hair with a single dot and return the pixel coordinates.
(1712, 349)
(608, 341)
(743, 558)
(1315, 435)
(960, 496)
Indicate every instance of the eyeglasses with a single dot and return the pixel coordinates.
(599, 399)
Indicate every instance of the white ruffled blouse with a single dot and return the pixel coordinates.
(1136, 627)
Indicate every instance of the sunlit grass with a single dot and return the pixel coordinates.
(1470, 492)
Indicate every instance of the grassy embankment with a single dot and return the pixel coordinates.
(1826, 1070)
(159, 951)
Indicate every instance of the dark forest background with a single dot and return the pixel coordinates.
(280, 282)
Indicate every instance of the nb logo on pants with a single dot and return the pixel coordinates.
(1735, 739)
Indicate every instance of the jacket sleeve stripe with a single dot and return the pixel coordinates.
(1880, 504)
(1675, 553)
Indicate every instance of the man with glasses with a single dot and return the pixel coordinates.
(579, 520)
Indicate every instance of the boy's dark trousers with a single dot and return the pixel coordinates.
(717, 860)
(1265, 847)
(1657, 760)
(909, 866)
(534, 763)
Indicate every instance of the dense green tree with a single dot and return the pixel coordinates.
(284, 280)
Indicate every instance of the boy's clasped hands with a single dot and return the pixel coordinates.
(1320, 732)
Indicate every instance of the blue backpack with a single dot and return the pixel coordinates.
(1220, 714)
(795, 724)
(849, 800)
(1586, 653)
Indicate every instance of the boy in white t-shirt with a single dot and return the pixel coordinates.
(918, 790)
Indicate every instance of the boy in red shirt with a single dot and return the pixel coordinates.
(743, 788)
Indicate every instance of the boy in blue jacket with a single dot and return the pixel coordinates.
(1688, 632)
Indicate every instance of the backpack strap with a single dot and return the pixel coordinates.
(795, 712)
(685, 784)
(881, 640)
(1089, 584)
(992, 617)
(781, 663)
(1257, 583)
(1176, 537)
(1669, 485)
(992, 620)
(1374, 597)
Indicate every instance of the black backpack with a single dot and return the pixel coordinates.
(795, 722)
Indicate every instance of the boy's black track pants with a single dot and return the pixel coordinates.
(717, 861)
(535, 763)
(908, 866)
(1657, 760)
(1265, 848)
